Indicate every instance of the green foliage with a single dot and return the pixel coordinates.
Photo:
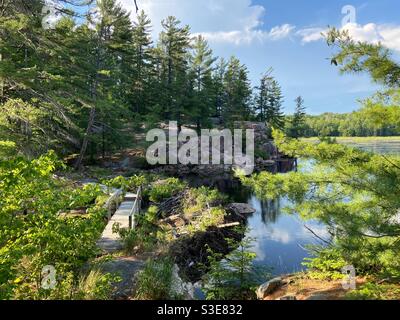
(155, 281)
(373, 291)
(146, 234)
(85, 196)
(359, 57)
(91, 286)
(259, 153)
(297, 124)
(352, 192)
(234, 276)
(32, 235)
(7, 149)
(269, 102)
(203, 208)
(165, 189)
(237, 92)
(326, 265)
(378, 117)
(202, 198)
(380, 114)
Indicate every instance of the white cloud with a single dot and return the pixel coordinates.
(388, 35)
(248, 36)
(280, 32)
(310, 34)
(220, 21)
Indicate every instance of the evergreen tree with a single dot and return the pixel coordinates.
(174, 45)
(297, 123)
(219, 93)
(141, 63)
(262, 97)
(268, 102)
(274, 113)
(201, 70)
(355, 193)
(108, 81)
(238, 92)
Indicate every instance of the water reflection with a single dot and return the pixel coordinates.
(280, 238)
(387, 147)
(270, 210)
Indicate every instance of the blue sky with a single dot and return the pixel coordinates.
(285, 35)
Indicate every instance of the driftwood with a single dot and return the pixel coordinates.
(228, 225)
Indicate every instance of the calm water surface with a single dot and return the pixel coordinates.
(280, 238)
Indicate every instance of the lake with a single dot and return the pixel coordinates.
(280, 238)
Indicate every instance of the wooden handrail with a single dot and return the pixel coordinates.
(110, 200)
(135, 209)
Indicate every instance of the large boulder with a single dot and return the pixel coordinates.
(269, 287)
(241, 208)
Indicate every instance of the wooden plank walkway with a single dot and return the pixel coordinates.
(109, 241)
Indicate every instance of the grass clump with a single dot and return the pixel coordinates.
(165, 189)
(155, 281)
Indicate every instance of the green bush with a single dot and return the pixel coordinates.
(32, 235)
(373, 291)
(234, 276)
(165, 189)
(127, 184)
(145, 235)
(326, 265)
(155, 281)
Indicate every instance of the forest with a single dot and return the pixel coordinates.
(107, 77)
(78, 94)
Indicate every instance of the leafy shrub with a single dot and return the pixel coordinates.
(155, 281)
(327, 265)
(144, 236)
(165, 189)
(32, 235)
(373, 291)
(127, 184)
(7, 149)
(202, 198)
(209, 218)
(84, 196)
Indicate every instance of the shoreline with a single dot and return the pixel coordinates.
(357, 139)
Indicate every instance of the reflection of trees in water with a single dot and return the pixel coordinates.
(270, 210)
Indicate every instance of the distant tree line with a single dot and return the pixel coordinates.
(371, 120)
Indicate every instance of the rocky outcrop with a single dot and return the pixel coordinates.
(241, 208)
(269, 287)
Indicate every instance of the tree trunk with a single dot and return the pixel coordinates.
(86, 138)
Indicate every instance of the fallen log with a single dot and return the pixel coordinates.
(228, 225)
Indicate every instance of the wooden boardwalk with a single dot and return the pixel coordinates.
(109, 241)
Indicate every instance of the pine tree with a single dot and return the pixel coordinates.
(262, 97)
(298, 121)
(202, 61)
(275, 116)
(219, 92)
(141, 63)
(31, 75)
(174, 44)
(269, 101)
(238, 92)
(108, 82)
